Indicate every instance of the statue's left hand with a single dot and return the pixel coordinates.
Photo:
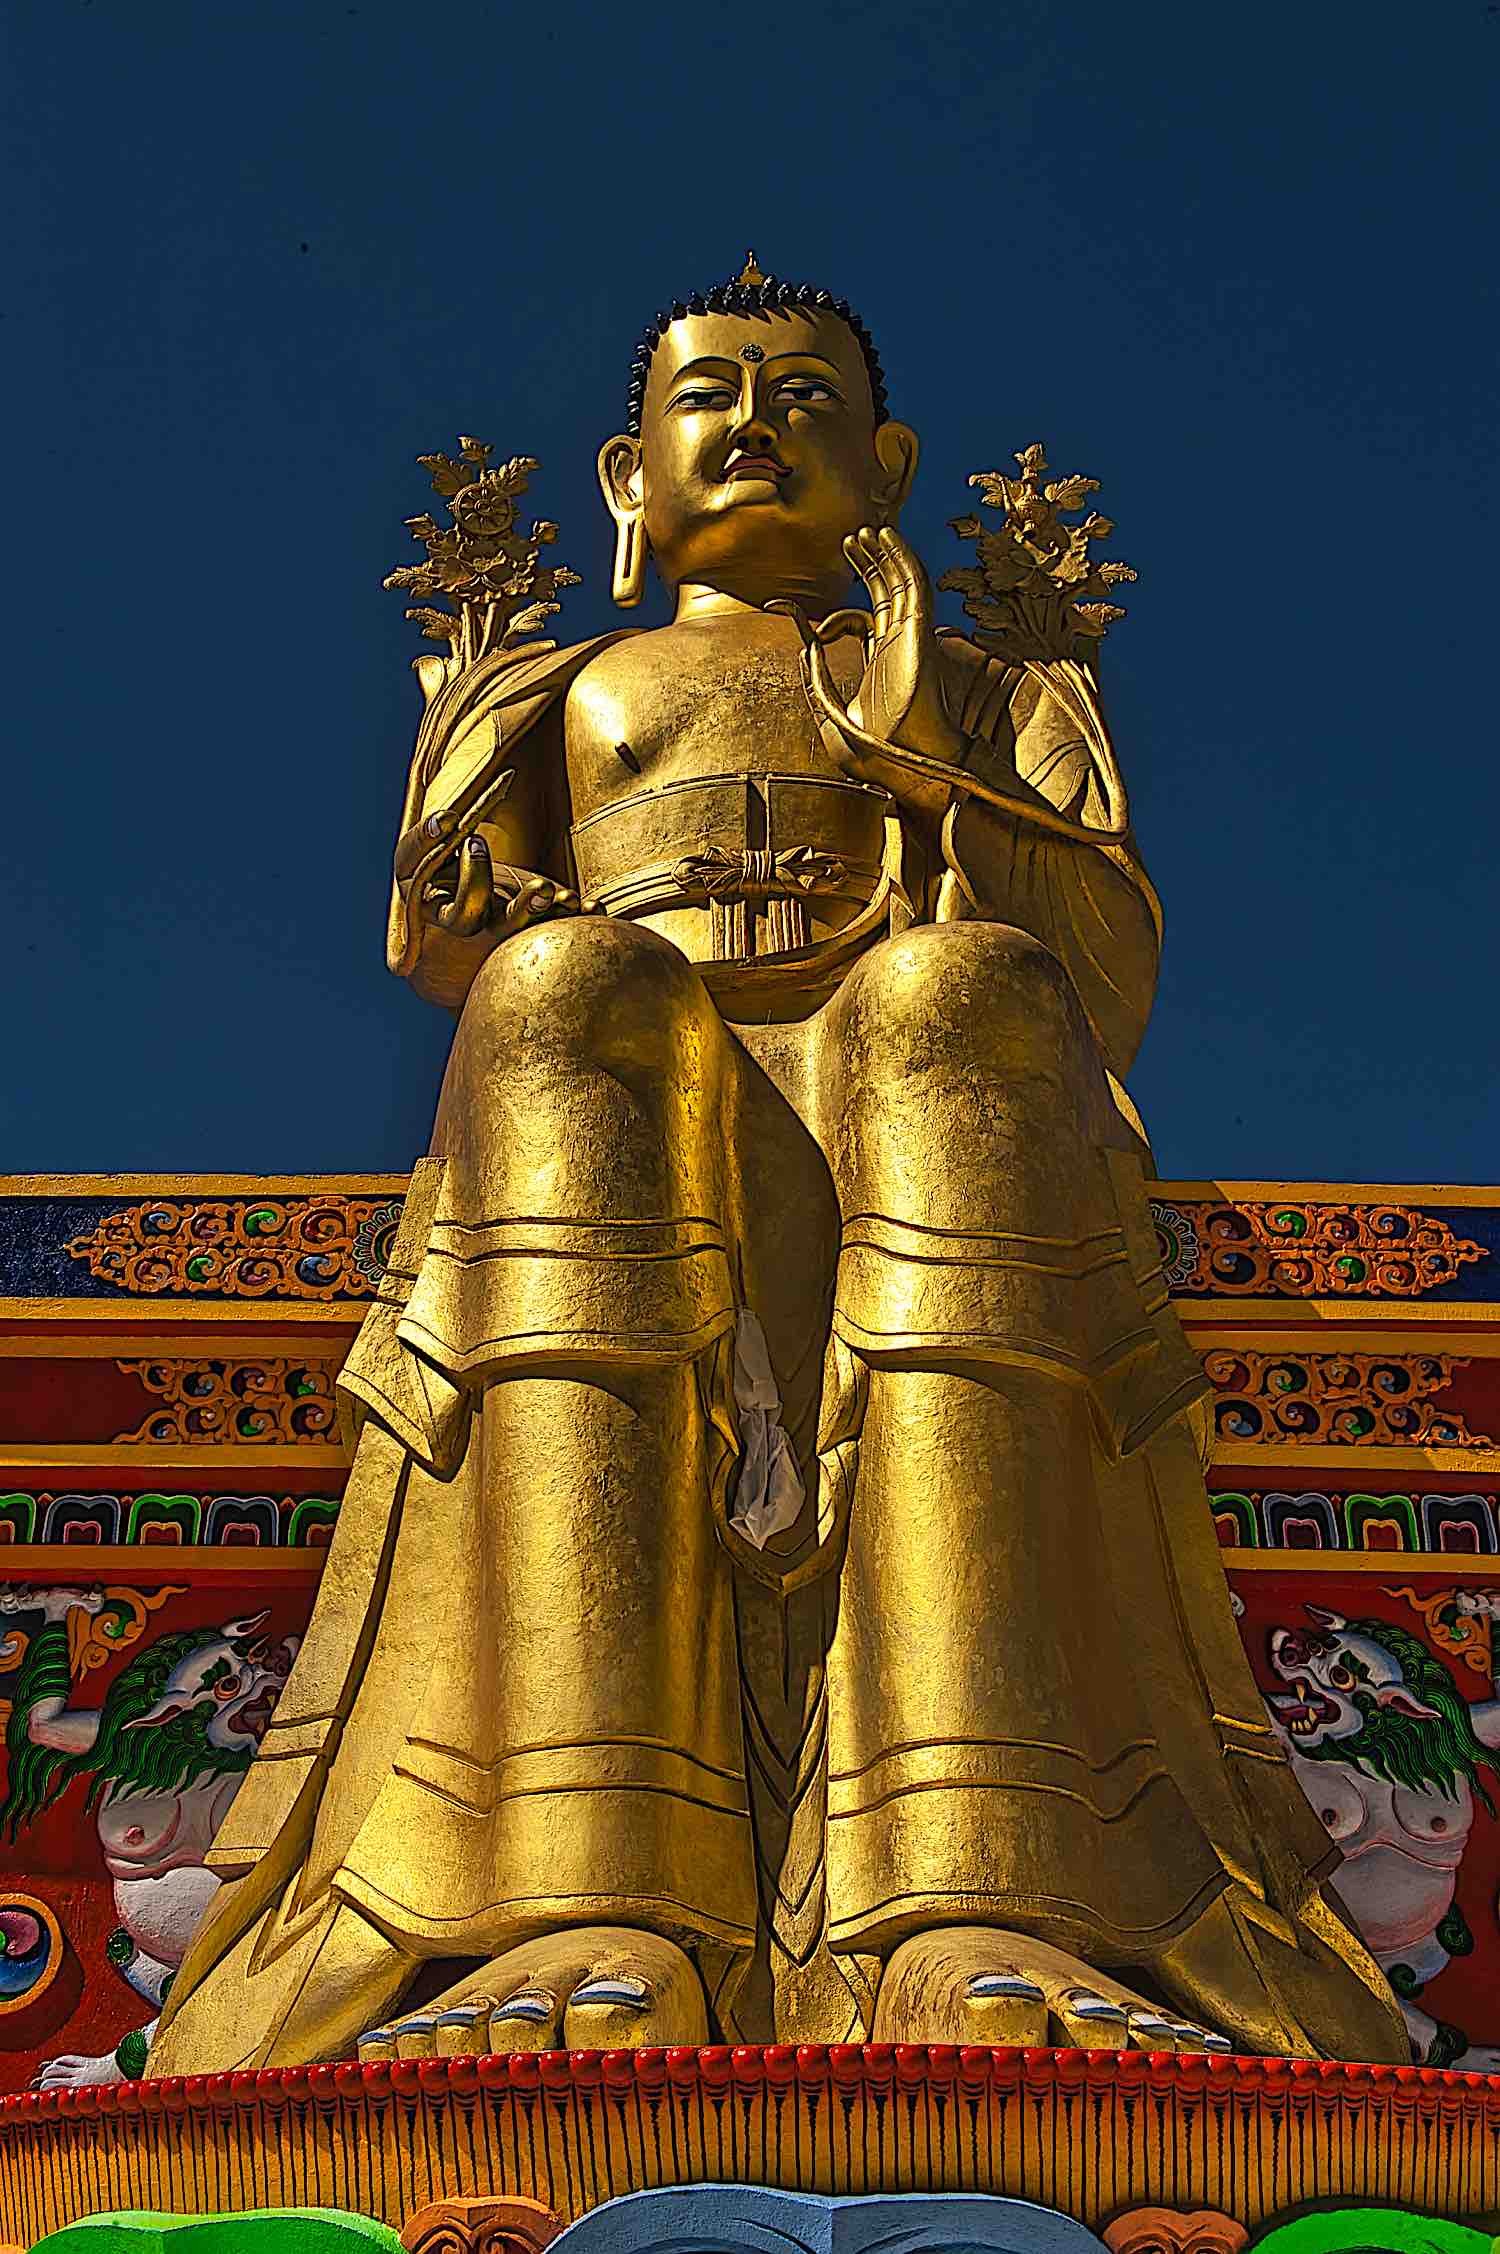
(474, 893)
(901, 697)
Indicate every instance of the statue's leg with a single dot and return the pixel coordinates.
(530, 1661)
(1012, 1749)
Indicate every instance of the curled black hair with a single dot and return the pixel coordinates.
(764, 295)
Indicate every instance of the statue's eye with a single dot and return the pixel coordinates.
(804, 391)
(706, 399)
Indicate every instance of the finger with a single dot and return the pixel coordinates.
(534, 901)
(473, 891)
(879, 580)
(904, 568)
(897, 576)
(863, 554)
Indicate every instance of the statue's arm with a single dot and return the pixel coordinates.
(1077, 884)
(476, 844)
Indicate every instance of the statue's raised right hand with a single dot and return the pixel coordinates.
(473, 893)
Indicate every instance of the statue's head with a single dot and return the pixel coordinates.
(758, 441)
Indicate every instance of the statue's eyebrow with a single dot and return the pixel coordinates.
(804, 359)
(709, 365)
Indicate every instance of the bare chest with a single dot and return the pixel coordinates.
(703, 801)
(658, 711)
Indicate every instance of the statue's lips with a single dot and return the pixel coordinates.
(758, 466)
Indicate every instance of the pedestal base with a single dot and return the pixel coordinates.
(1092, 2134)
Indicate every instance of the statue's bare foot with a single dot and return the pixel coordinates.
(982, 1984)
(598, 1987)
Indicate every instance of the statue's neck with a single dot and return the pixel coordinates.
(698, 601)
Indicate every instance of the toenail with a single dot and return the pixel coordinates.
(1150, 2023)
(1084, 2004)
(1012, 1984)
(1218, 2044)
(532, 2004)
(376, 2043)
(620, 1989)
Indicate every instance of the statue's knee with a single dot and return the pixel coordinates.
(978, 985)
(593, 986)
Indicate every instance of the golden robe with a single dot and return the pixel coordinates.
(989, 1676)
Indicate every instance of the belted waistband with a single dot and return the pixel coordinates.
(739, 836)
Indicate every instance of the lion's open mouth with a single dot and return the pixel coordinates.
(252, 1717)
(1304, 1709)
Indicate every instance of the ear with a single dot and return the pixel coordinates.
(896, 450)
(1399, 1700)
(1324, 1618)
(621, 483)
(620, 476)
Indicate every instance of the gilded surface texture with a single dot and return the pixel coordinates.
(773, 1594)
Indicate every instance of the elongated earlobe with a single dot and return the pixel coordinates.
(620, 483)
(628, 581)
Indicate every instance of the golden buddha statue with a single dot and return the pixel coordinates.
(774, 1596)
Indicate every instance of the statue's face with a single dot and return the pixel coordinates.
(759, 453)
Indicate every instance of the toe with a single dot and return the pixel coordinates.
(1151, 2030)
(640, 1991)
(1087, 2020)
(529, 2019)
(463, 2030)
(609, 2012)
(1188, 2036)
(414, 2035)
(1006, 2007)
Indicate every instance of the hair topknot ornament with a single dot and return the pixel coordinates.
(756, 296)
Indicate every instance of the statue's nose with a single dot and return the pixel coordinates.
(754, 429)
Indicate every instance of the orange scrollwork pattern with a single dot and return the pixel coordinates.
(1169, 2230)
(1302, 1251)
(240, 1404)
(318, 1248)
(1460, 1622)
(99, 1632)
(1369, 1400)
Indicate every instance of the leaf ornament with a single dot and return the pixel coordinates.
(487, 569)
(1035, 591)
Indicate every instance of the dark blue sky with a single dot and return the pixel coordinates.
(1237, 263)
